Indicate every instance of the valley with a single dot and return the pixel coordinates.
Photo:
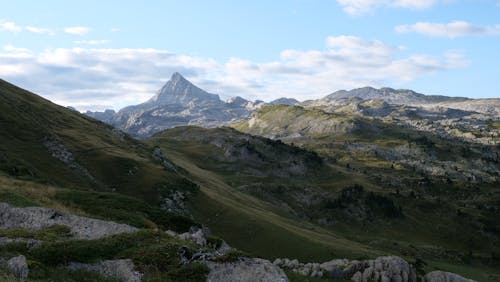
(349, 178)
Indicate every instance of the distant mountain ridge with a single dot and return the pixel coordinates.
(180, 103)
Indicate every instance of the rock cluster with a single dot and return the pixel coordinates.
(165, 162)
(36, 218)
(60, 152)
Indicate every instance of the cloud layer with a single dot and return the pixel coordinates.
(97, 78)
(451, 30)
(356, 7)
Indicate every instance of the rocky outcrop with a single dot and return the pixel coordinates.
(389, 268)
(121, 269)
(441, 276)
(165, 162)
(18, 267)
(383, 269)
(246, 270)
(36, 218)
(57, 149)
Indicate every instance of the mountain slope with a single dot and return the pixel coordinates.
(179, 102)
(47, 143)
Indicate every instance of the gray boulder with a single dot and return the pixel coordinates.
(18, 267)
(246, 270)
(121, 269)
(36, 218)
(441, 276)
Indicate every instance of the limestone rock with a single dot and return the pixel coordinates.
(441, 276)
(36, 218)
(246, 270)
(18, 266)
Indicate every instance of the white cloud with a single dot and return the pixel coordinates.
(92, 42)
(13, 49)
(39, 30)
(77, 30)
(114, 29)
(92, 78)
(13, 27)
(10, 26)
(451, 30)
(356, 7)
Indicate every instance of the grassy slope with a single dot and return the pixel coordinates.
(428, 230)
(117, 162)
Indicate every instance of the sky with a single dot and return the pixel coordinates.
(95, 55)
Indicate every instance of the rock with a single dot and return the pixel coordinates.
(165, 162)
(441, 276)
(389, 268)
(171, 233)
(121, 269)
(195, 234)
(246, 270)
(36, 218)
(18, 267)
(357, 277)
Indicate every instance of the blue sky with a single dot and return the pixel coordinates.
(109, 54)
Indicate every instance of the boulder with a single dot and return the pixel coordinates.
(246, 270)
(36, 218)
(18, 266)
(441, 276)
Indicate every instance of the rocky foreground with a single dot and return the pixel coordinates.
(238, 268)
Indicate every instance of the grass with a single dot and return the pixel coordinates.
(115, 163)
(254, 221)
(154, 253)
(258, 228)
(50, 233)
(103, 205)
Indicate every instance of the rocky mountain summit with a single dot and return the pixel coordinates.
(178, 102)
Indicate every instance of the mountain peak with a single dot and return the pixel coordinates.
(179, 90)
(176, 77)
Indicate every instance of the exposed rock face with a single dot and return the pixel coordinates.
(60, 152)
(441, 276)
(393, 96)
(165, 162)
(285, 101)
(121, 269)
(246, 270)
(35, 218)
(106, 116)
(390, 268)
(18, 266)
(177, 103)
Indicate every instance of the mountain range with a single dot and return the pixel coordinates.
(336, 189)
(179, 102)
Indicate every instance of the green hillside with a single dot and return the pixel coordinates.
(336, 210)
